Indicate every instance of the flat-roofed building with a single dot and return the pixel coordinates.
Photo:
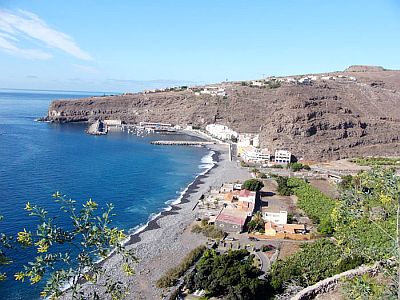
(256, 155)
(279, 218)
(231, 220)
(282, 156)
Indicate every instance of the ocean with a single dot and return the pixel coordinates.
(37, 159)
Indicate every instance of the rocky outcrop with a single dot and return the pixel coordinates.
(327, 119)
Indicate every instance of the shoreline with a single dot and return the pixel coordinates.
(173, 207)
(166, 239)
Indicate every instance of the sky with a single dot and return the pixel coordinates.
(131, 45)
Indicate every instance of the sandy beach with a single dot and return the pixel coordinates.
(167, 239)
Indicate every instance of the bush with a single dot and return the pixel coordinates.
(283, 188)
(232, 275)
(253, 185)
(171, 276)
(314, 262)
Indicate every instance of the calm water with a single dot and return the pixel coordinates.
(37, 159)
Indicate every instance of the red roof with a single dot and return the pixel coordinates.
(246, 193)
(232, 216)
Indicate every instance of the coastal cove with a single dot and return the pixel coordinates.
(144, 182)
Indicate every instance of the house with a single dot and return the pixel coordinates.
(245, 140)
(282, 156)
(231, 196)
(272, 229)
(237, 186)
(221, 132)
(231, 220)
(247, 201)
(247, 196)
(279, 218)
(256, 155)
(226, 188)
(113, 122)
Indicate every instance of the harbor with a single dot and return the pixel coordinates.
(183, 143)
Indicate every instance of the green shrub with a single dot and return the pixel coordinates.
(253, 185)
(314, 262)
(232, 275)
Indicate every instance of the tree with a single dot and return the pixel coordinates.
(256, 223)
(231, 275)
(69, 254)
(253, 185)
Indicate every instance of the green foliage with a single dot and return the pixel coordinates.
(208, 230)
(253, 185)
(314, 262)
(365, 218)
(347, 182)
(366, 287)
(256, 223)
(283, 188)
(170, 278)
(377, 161)
(295, 167)
(231, 275)
(315, 204)
(5, 243)
(89, 234)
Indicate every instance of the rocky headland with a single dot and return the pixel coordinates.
(332, 115)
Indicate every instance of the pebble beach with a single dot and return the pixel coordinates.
(167, 239)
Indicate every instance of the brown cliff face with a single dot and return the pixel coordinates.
(328, 119)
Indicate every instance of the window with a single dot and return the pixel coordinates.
(234, 226)
(221, 225)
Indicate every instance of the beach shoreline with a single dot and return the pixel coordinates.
(166, 239)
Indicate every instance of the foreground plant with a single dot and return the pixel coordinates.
(67, 255)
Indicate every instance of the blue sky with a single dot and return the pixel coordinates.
(131, 45)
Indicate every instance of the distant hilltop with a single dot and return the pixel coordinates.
(360, 68)
(316, 116)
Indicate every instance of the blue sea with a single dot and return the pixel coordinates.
(37, 159)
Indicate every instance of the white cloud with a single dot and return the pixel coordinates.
(24, 24)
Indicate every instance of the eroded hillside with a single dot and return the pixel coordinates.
(324, 119)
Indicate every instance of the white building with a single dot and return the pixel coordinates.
(248, 139)
(257, 155)
(213, 91)
(221, 132)
(279, 218)
(113, 122)
(282, 156)
(257, 83)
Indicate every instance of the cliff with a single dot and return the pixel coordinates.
(351, 113)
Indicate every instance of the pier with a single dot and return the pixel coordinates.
(182, 143)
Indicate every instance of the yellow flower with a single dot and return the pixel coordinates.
(24, 238)
(43, 294)
(91, 204)
(43, 246)
(128, 270)
(88, 277)
(35, 279)
(20, 276)
(3, 276)
(28, 207)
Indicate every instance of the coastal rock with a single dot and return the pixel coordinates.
(357, 111)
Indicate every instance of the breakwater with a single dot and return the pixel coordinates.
(182, 143)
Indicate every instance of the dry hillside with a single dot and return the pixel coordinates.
(327, 119)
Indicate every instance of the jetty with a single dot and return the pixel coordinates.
(183, 143)
(97, 128)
